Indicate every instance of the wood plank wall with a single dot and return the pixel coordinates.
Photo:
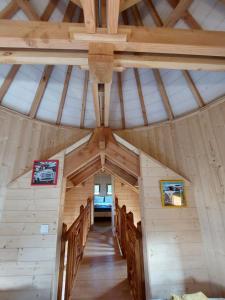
(28, 258)
(128, 197)
(174, 250)
(194, 147)
(76, 197)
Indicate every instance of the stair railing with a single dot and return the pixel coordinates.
(73, 240)
(130, 240)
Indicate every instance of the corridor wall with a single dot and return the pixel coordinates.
(194, 147)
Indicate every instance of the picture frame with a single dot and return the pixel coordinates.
(173, 193)
(45, 172)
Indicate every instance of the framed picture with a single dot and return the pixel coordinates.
(172, 193)
(45, 172)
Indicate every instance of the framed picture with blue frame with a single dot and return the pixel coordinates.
(173, 193)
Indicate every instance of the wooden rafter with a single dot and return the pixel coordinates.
(96, 103)
(77, 2)
(163, 93)
(28, 9)
(178, 12)
(84, 99)
(137, 39)
(102, 142)
(125, 4)
(120, 90)
(155, 16)
(141, 97)
(49, 10)
(193, 89)
(40, 90)
(187, 17)
(8, 80)
(10, 10)
(89, 15)
(64, 93)
(69, 13)
(113, 7)
(186, 74)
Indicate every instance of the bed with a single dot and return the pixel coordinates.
(102, 206)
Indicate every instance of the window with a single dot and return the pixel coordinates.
(109, 189)
(97, 189)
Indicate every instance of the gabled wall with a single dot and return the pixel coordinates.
(174, 256)
(194, 147)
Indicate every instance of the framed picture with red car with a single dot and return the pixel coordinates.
(45, 172)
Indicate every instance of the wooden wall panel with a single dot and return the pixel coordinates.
(28, 258)
(194, 147)
(128, 197)
(76, 197)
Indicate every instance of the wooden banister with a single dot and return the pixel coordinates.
(130, 239)
(75, 239)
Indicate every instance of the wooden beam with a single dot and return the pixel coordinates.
(120, 91)
(77, 2)
(193, 89)
(107, 103)
(49, 10)
(187, 17)
(70, 11)
(89, 15)
(64, 93)
(181, 62)
(155, 16)
(125, 4)
(100, 60)
(141, 97)
(40, 91)
(121, 173)
(73, 36)
(96, 103)
(10, 10)
(84, 99)
(89, 171)
(7, 81)
(163, 93)
(28, 9)
(178, 12)
(113, 7)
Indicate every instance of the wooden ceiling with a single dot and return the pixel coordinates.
(100, 44)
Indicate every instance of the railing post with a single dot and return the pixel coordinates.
(62, 262)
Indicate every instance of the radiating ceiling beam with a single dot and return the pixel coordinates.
(193, 89)
(181, 62)
(96, 103)
(121, 98)
(10, 10)
(40, 91)
(64, 93)
(177, 13)
(187, 17)
(113, 7)
(49, 10)
(89, 15)
(77, 2)
(69, 13)
(125, 4)
(28, 9)
(163, 93)
(141, 97)
(137, 39)
(84, 99)
(7, 81)
(155, 16)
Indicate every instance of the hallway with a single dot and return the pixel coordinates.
(103, 272)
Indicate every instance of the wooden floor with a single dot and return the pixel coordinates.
(102, 273)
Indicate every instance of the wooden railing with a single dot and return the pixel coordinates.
(74, 240)
(130, 239)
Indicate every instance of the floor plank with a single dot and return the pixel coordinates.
(102, 273)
